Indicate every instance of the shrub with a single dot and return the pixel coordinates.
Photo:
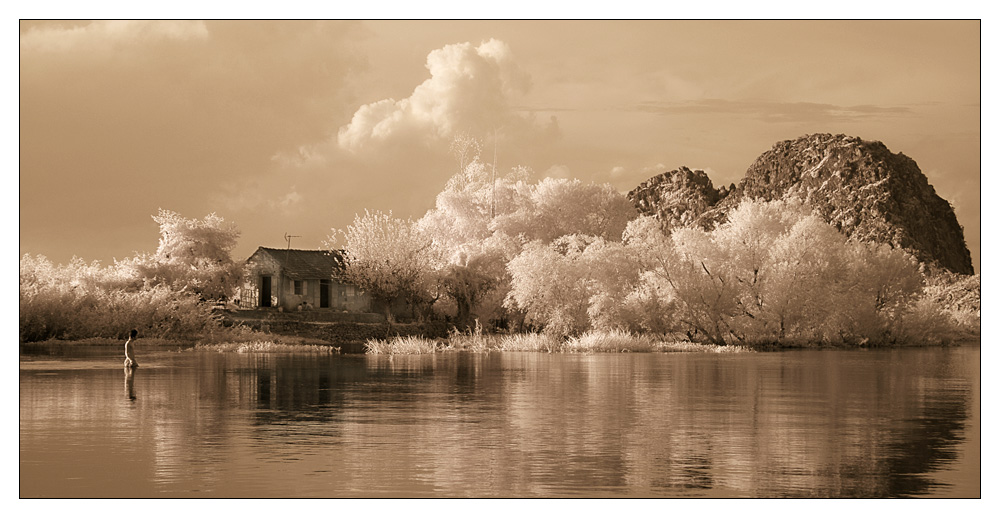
(79, 301)
(958, 297)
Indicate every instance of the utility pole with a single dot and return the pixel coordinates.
(288, 239)
(493, 205)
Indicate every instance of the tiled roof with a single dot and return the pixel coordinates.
(306, 264)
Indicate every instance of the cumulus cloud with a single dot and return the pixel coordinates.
(109, 34)
(617, 171)
(557, 171)
(469, 90)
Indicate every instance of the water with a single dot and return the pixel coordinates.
(884, 423)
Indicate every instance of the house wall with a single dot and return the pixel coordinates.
(288, 299)
(343, 297)
(346, 297)
(256, 267)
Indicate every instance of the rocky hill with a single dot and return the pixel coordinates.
(859, 186)
(678, 198)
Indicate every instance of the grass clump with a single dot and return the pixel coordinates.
(611, 341)
(618, 341)
(474, 340)
(590, 342)
(530, 342)
(402, 345)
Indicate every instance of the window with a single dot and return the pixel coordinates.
(350, 291)
(298, 287)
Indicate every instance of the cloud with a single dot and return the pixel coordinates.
(107, 34)
(774, 111)
(260, 196)
(557, 171)
(293, 198)
(619, 172)
(654, 169)
(302, 157)
(469, 90)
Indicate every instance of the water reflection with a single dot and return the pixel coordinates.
(795, 424)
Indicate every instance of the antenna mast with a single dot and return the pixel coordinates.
(493, 205)
(288, 239)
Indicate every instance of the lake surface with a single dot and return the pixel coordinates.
(880, 423)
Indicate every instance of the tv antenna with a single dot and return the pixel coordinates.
(288, 239)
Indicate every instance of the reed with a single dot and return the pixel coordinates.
(615, 341)
(590, 342)
(474, 340)
(530, 342)
(402, 345)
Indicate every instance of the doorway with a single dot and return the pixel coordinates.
(265, 291)
(324, 293)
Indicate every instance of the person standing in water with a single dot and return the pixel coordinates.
(129, 353)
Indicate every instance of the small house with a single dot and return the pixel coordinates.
(299, 279)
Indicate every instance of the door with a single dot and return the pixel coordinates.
(324, 293)
(265, 291)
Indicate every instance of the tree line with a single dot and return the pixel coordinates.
(565, 257)
(505, 251)
(167, 293)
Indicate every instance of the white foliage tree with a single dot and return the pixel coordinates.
(577, 283)
(775, 272)
(652, 305)
(389, 258)
(480, 223)
(473, 255)
(546, 284)
(557, 207)
(878, 285)
(193, 254)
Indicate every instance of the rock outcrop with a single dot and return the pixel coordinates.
(859, 186)
(677, 198)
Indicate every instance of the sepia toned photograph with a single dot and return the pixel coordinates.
(499, 259)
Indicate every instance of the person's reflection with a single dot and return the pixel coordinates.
(130, 383)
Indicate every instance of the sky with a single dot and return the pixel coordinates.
(294, 127)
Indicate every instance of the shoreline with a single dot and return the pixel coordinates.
(607, 342)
